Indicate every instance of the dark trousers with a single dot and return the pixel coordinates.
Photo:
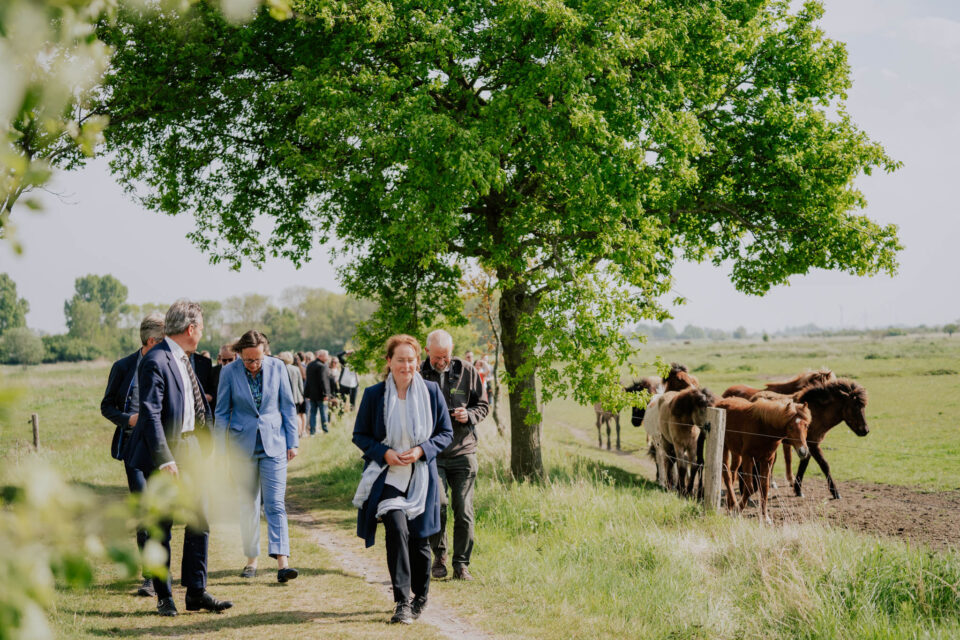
(193, 566)
(137, 482)
(408, 557)
(459, 475)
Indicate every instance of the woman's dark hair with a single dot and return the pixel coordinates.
(251, 339)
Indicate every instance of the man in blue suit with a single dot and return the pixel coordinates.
(120, 404)
(173, 416)
(257, 420)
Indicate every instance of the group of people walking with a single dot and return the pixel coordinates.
(416, 431)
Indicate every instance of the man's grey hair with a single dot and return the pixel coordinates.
(181, 315)
(151, 327)
(440, 338)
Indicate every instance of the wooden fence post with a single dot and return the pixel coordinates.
(713, 459)
(35, 419)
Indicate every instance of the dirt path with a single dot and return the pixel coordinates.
(347, 549)
(917, 517)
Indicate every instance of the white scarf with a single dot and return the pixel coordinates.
(419, 429)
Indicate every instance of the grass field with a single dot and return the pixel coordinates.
(595, 551)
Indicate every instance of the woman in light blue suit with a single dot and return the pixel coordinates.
(257, 419)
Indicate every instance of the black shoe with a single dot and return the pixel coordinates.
(419, 604)
(166, 608)
(402, 614)
(248, 572)
(208, 602)
(146, 589)
(286, 574)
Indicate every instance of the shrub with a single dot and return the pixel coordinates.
(63, 348)
(21, 346)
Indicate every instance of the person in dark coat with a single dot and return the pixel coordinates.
(402, 424)
(173, 422)
(120, 405)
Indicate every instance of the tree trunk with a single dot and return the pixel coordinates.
(526, 462)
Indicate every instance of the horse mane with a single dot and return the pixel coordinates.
(691, 399)
(649, 384)
(676, 367)
(775, 412)
(803, 379)
(841, 389)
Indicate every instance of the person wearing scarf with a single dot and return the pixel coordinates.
(402, 424)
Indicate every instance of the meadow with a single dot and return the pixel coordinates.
(596, 550)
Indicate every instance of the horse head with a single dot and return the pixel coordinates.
(679, 378)
(652, 386)
(798, 420)
(692, 404)
(854, 407)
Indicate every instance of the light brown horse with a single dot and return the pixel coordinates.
(682, 416)
(754, 431)
(840, 400)
(794, 384)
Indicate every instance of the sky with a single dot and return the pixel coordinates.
(905, 60)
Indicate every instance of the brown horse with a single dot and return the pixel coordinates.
(754, 431)
(606, 417)
(682, 415)
(840, 400)
(679, 378)
(794, 384)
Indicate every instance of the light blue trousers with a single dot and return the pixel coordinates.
(267, 477)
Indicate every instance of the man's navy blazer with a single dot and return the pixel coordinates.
(162, 399)
(370, 431)
(114, 407)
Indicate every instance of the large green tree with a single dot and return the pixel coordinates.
(576, 148)
(13, 309)
(96, 303)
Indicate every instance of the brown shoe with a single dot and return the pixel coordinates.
(439, 569)
(462, 573)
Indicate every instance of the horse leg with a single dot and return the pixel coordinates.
(788, 463)
(617, 418)
(608, 421)
(599, 432)
(818, 456)
(798, 481)
(764, 471)
(747, 487)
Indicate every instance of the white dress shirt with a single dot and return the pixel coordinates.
(189, 414)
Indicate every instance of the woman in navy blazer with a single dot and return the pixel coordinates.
(391, 473)
(257, 420)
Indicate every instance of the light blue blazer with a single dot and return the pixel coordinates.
(238, 419)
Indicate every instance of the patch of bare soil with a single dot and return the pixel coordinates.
(350, 554)
(920, 518)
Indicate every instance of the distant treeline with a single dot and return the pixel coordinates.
(667, 331)
(102, 324)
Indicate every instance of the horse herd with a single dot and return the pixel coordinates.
(795, 414)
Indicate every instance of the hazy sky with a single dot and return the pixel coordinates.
(905, 58)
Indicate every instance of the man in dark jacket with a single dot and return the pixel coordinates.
(120, 406)
(457, 464)
(317, 390)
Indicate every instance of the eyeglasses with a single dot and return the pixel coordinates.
(253, 361)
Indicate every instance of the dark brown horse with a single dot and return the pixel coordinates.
(786, 387)
(840, 400)
(679, 378)
(682, 416)
(652, 385)
(754, 431)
